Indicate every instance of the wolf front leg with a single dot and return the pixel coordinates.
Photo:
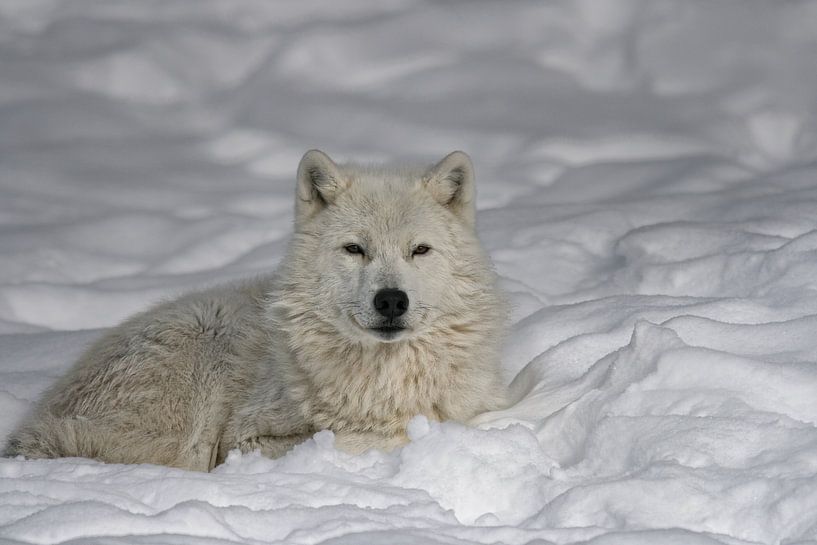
(271, 446)
(355, 442)
(273, 428)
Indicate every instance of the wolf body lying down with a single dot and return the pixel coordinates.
(384, 307)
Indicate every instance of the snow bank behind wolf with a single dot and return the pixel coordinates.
(384, 307)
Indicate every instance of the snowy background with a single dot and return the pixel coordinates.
(647, 175)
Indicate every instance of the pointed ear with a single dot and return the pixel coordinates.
(319, 182)
(451, 183)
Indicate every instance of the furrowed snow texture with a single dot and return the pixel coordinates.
(647, 176)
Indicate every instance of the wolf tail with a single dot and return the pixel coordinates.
(51, 436)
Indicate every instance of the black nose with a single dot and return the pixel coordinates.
(391, 302)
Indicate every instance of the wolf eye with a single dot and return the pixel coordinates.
(420, 250)
(353, 249)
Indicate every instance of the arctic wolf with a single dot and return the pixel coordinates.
(385, 307)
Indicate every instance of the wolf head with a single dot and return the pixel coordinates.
(382, 255)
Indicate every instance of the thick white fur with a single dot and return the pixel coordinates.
(266, 363)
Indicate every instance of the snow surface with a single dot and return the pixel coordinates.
(648, 191)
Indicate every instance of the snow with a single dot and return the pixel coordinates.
(647, 189)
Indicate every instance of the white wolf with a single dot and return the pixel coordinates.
(385, 307)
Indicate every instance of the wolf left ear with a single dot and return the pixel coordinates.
(451, 183)
(319, 183)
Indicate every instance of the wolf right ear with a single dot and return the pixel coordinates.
(319, 182)
(451, 183)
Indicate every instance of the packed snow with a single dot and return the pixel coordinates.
(647, 175)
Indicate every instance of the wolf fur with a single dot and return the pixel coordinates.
(266, 363)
